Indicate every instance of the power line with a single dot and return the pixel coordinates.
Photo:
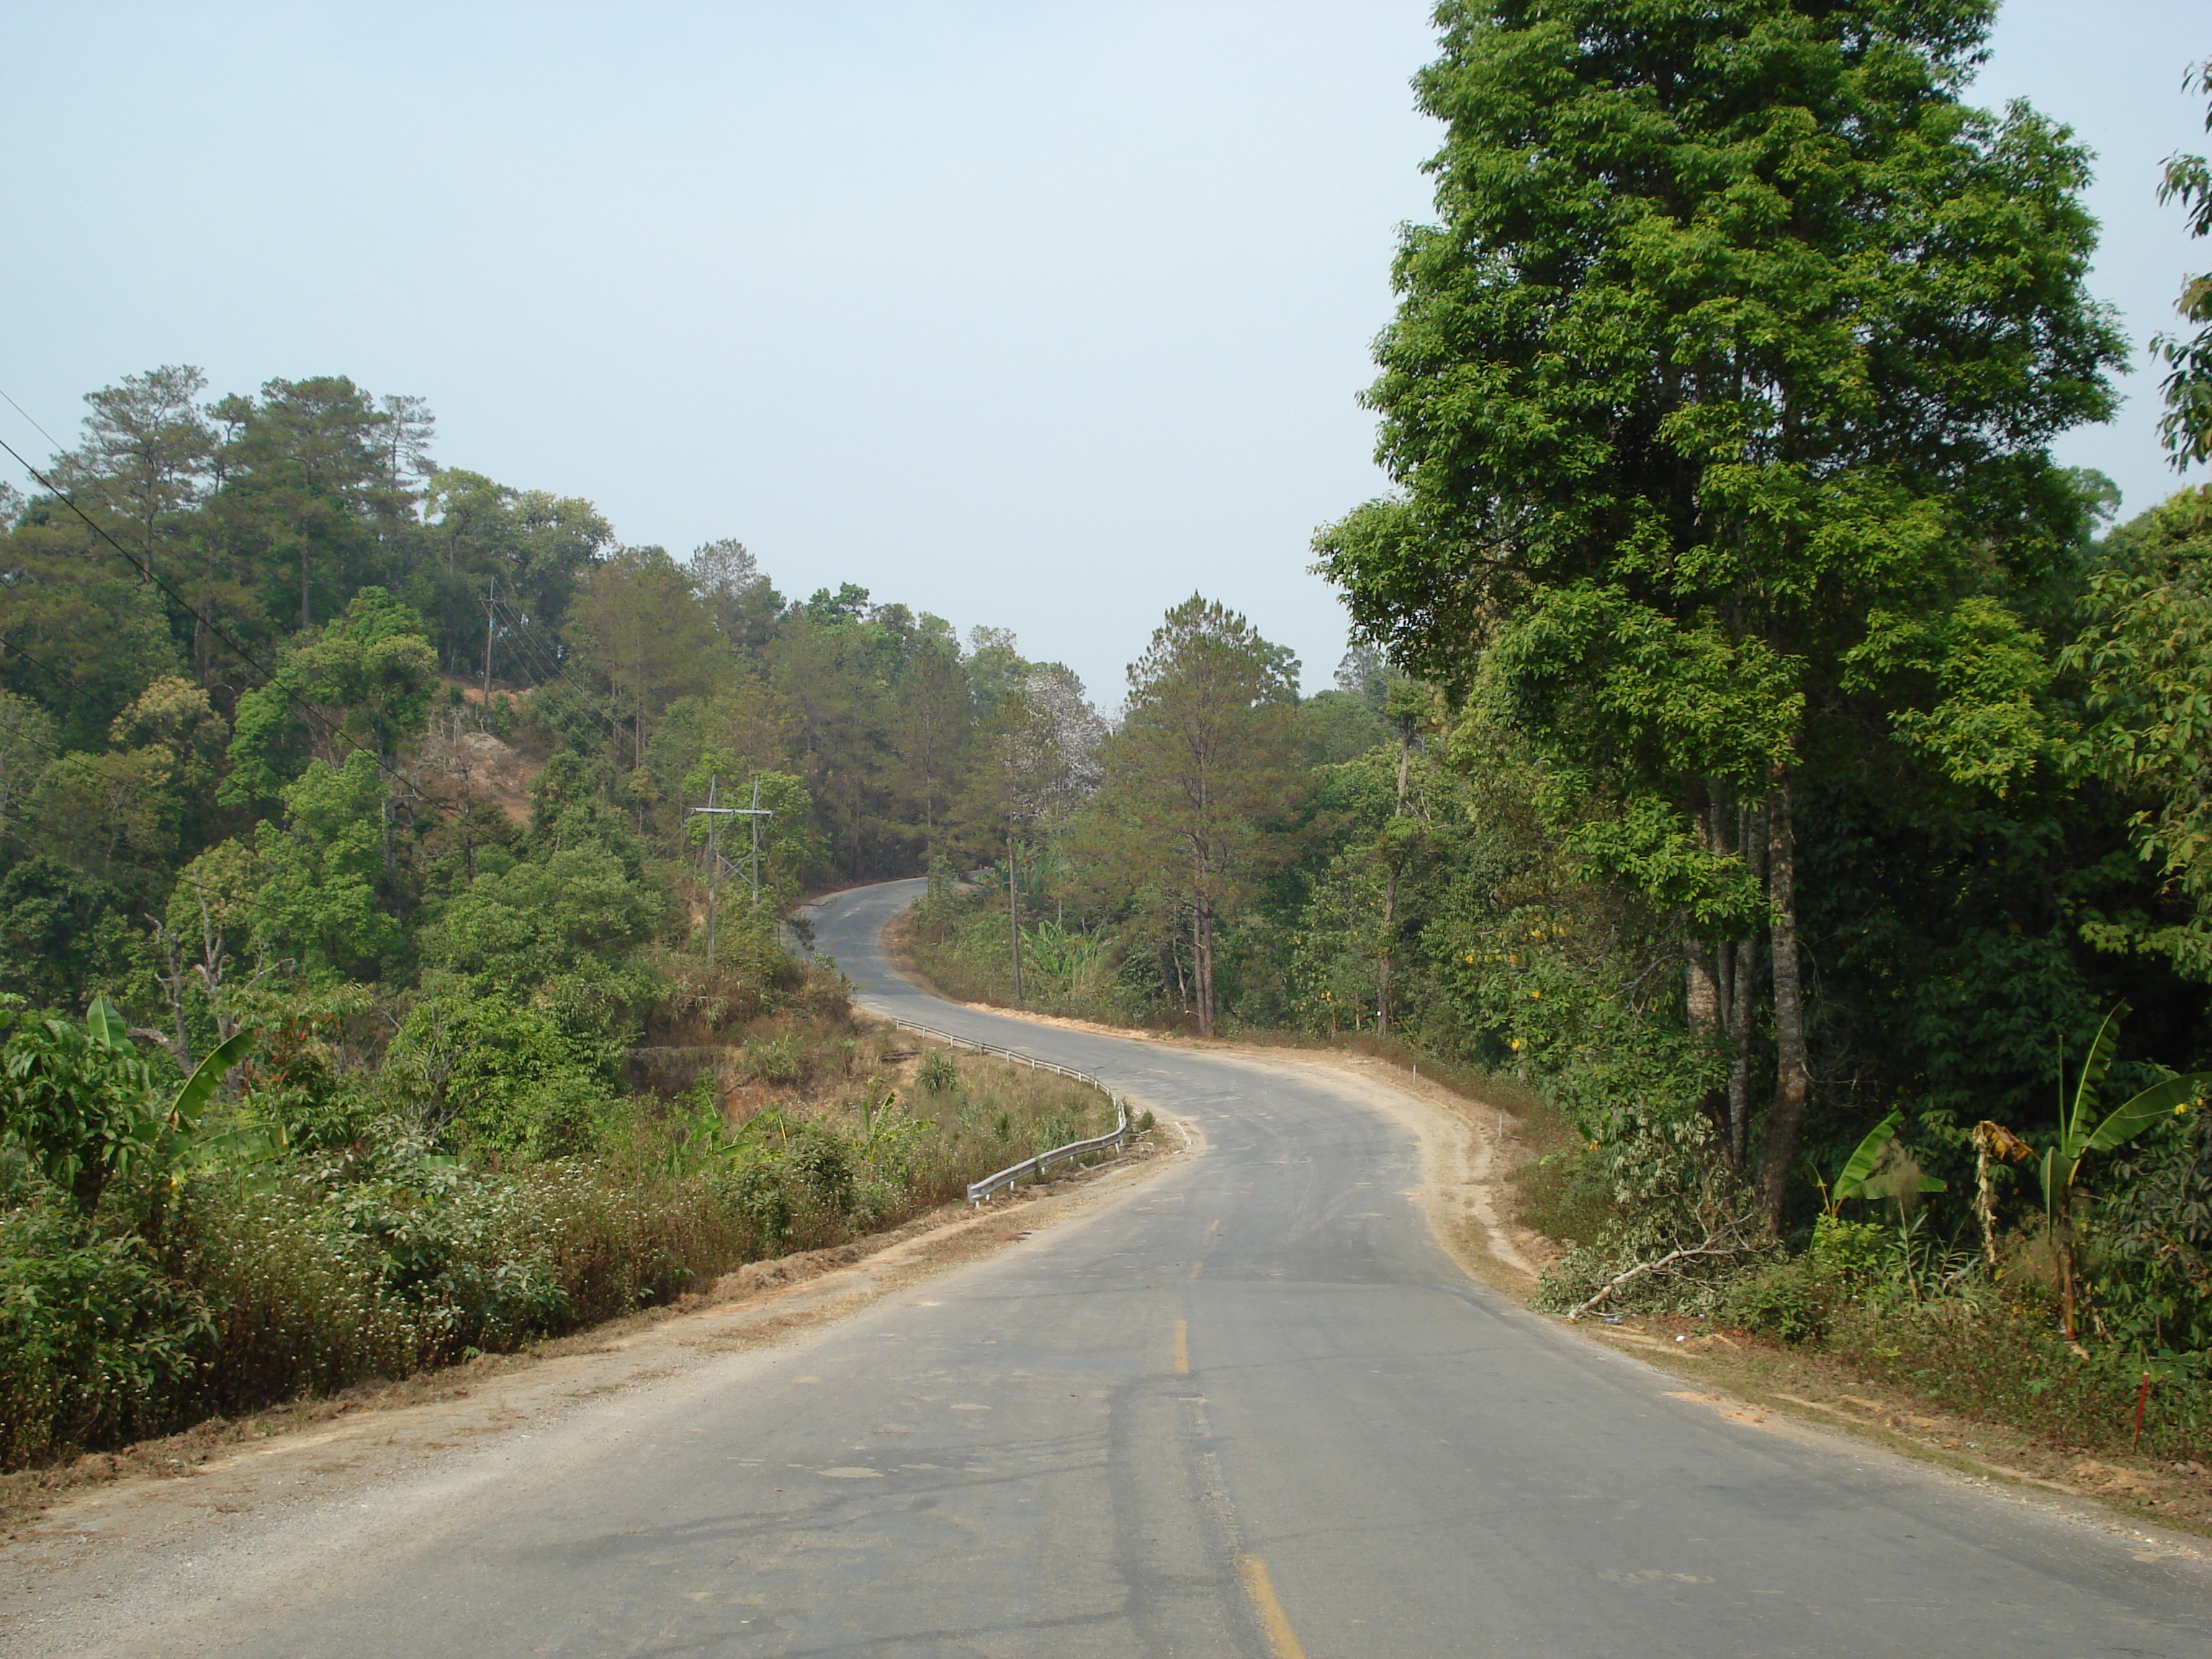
(145, 569)
(59, 678)
(547, 660)
(27, 416)
(547, 668)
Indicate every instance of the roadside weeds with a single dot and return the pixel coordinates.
(752, 1306)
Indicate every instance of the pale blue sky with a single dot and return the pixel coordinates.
(1036, 315)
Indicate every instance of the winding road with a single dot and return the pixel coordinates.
(1246, 1407)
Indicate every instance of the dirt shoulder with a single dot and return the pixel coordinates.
(65, 1526)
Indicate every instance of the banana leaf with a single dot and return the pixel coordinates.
(105, 1025)
(199, 1088)
(2088, 1089)
(2170, 1098)
(1851, 1183)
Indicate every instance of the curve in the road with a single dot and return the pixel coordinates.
(1249, 1408)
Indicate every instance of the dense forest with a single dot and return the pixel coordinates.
(447, 847)
(1755, 746)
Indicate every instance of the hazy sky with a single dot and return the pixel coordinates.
(1035, 315)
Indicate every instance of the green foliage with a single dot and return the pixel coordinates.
(504, 1078)
(2150, 1264)
(370, 676)
(775, 1060)
(438, 1143)
(95, 1340)
(1784, 1300)
(2002, 1363)
(78, 1101)
(1666, 1194)
(1201, 763)
(2088, 1127)
(570, 911)
(2187, 427)
(2145, 641)
(323, 878)
(1697, 492)
(1795, 1299)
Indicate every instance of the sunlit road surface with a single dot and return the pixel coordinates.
(1250, 1408)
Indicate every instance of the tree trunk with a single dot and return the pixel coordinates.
(1382, 957)
(1703, 997)
(1702, 989)
(1201, 951)
(1778, 1146)
(1705, 974)
(483, 715)
(2067, 1279)
(1743, 988)
(1014, 919)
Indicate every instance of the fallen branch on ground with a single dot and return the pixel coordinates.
(1715, 1244)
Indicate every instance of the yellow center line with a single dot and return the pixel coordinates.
(1183, 1348)
(1195, 1267)
(1282, 1640)
(1216, 1225)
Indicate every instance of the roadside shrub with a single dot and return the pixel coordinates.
(1999, 1363)
(1847, 1255)
(1786, 1301)
(938, 1074)
(823, 1166)
(299, 1306)
(775, 1060)
(362, 1251)
(465, 1252)
(754, 1193)
(2150, 1254)
(95, 1340)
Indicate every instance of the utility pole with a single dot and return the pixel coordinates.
(756, 815)
(714, 814)
(1014, 917)
(713, 861)
(490, 589)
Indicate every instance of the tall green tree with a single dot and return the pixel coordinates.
(1201, 768)
(641, 625)
(307, 487)
(1719, 402)
(366, 680)
(2144, 654)
(2186, 426)
(146, 460)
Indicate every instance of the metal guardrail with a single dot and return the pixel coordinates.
(980, 1190)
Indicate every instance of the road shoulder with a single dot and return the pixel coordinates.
(1470, 1152)
(73, 1533)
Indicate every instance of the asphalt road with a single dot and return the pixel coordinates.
(1249, 1409)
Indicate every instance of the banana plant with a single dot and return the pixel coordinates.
(2082, 1132)
(174, 1143)
(207, 1077)
(1861, 1175)
(108, 1030)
